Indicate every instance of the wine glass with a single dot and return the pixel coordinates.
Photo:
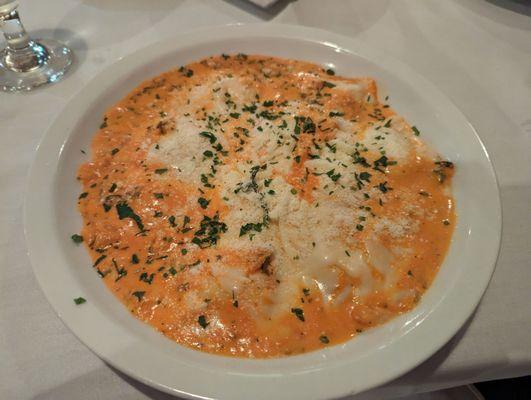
(26, 63)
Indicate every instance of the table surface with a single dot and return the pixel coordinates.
(478, 52)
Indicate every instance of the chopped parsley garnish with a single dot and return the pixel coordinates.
(268, 115)
(124, 211)
(201, 320)
(268, 103)
(208, 153)
(120, 272)
(186, 72)
(144, 277)
(329, 85)
(365, 176)
(76, 238)
(299, 313)
(134, 259)
(305, 123)
(171, 220)
(203, 202)
(158, 195)
(251, 108)
(251, 227)
(439, 170)
(139, 294)
(330, 71)
(336, 114)
(210, 136)
(415, 130)
(383, 161)
(79, 300)
(445, 164)
(333, 176)
(161, 171)
(297, 159)
(209, 232)
(99, 260)
(235, 115)
(324, 339)
(383, 187)
(114, 151)
(83, 195)
(331, 147)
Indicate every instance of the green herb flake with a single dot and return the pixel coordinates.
(79, 300)
(144, 277)
(124, 211)
(324, 339)
(201, 320)
(171, 220)
(415, 131)
(76, 238)
(99, 260)
(203, 202)
(257, 227)
(210, 136)
(161, 171)
(134, 259)
(299, 313)
(139, 294)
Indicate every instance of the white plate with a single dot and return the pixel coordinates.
(375, 357)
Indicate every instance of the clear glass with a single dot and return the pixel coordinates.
(26, 63)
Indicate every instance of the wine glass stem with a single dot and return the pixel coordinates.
(21, 54)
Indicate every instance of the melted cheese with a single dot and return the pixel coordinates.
(258, 207)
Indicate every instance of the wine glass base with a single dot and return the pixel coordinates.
(52, 69)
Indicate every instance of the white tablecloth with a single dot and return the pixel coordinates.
(478, 52)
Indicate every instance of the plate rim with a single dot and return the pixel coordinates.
(277, 31)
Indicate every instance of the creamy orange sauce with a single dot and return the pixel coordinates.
(260, 207)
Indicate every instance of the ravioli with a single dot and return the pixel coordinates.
(261, 207)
